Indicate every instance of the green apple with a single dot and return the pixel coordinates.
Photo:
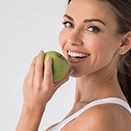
(60, 66)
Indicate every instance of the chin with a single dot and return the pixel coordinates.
(76, 74)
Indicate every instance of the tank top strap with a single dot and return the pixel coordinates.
(110, 100)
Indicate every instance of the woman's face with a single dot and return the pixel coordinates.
(89, 38)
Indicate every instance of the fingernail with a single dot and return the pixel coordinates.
(48, 58)
(41, 52)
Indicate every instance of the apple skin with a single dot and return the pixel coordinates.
(60, 66)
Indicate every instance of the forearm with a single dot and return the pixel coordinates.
(30, 119)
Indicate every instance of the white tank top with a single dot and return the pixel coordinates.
(110, 100)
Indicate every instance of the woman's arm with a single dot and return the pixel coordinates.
(38, 89)
(29, 119)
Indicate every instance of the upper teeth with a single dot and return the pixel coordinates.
(74, 54)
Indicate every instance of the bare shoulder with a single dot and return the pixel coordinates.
(106, 117)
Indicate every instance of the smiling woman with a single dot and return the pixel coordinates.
(98, 49)
(123, 16)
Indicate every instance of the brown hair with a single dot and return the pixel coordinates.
(122, 9)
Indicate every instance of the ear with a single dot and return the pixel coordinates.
(126, 43)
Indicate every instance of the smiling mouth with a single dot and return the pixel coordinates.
(77, 55)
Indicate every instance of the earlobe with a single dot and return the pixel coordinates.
(126, 44)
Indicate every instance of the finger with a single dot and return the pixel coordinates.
(31, 71)
(28, 81)
(48, 78)
(39, 70)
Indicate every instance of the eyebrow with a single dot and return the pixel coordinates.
(86, 20)
(69, 17)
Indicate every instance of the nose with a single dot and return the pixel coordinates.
(75, 37)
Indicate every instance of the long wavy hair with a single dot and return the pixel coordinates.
(122, 9)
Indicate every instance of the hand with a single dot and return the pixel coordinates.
(38, 84)
(38, 90)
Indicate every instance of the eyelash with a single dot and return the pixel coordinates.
(67, 22)
(93, 28)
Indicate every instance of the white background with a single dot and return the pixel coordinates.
(26, 27)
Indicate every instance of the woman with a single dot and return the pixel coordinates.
(96, 40)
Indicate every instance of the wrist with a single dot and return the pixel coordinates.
(34, 110)
(32, 116)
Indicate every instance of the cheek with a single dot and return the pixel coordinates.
(102, 50)
(61, 38)
(102, 45)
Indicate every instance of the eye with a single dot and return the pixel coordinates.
(68, 24)
(93, 29)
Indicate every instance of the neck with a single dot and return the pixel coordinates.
(96, 86)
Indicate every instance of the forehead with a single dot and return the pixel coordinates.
(90, 8)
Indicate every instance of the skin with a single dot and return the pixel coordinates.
(96, 75)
